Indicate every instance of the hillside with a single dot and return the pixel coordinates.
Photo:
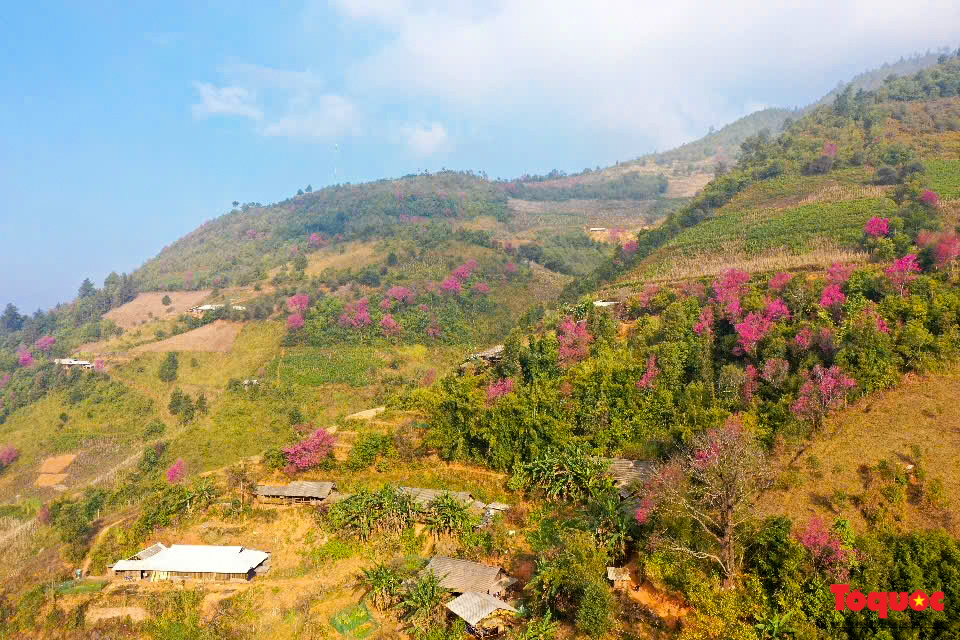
(770, 324)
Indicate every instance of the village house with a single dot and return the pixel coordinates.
(619, 577)
(193, 562)
(198, 311)
(488, 357)
(484, 614)
(463, 576)
(625, 473)
(69, 363)
(299, 492)
(424, 497)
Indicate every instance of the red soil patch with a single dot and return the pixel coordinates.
(138, 310)
(216, 336)
(57, 464)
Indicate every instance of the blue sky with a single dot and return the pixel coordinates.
(125, 125)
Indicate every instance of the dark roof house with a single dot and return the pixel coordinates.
(463, 576)
(424, 497)
(299, 491)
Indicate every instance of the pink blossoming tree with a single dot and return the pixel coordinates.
(482, 288)
(177, 471)
(729, 289)
(704, 325)
(295, 321)
(832, 297)
(310, 451)
(823, 391)
(390, 326)
(8, 455)
(25, 358)
(902, 272)
(356, 314)
(45, 343)
(574, 340)
(649, 378)
(499, 388)
(826, 549)
(930, 198)
(775, 371)
(877, 227)
(751, 331)
(452, 285)
(839, 273)
(298, 303)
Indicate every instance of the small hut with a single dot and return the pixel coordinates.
(620, 577)
(626, 472)
(424, 497)
(488, 357)
(298, 492)
(463, 576)
(485, 615)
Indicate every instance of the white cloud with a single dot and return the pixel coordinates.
(321, 118)
(426, 140)
(227, 101)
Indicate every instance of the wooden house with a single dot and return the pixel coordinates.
(193, 562)
(485, 615)
(488, 357)
(463, 576)
(299, 492)
(424, 497)
(619, 577)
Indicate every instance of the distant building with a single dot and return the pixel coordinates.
(196, 562)
(295, 493)
(69, 363)
(198, 311)
(605, 303)
(488, 357)
(463, 576)
(424, 497)
(598, 228)
(619, 577)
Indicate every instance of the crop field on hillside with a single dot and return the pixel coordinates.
(944, 175)
(216, 336)
(148, 306)
(794, 229)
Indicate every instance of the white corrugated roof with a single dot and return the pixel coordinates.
(197, 558)
(474, 607)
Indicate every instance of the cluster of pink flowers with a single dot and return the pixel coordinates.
(390, 326)
(511, 268)
(650, 375)
(729, 289)
(177, 471)
(839, 273)
(825, 341)
(775, 371)
(574, 340)
(386, 304)
(823, 391)
(780, 280)
(776, 309)
(930, 198)
(295, 321)
(252, 234)
(826, 549)
(752, 330)
(803, 338)
(45, 343)
(630, 247)
(317, 240)
(298, 303)
(4, 380)
(310, 451)
(8, 455)
(647, 294)
(644, 510)
(482, 288)
(705, 322)
(830, 149)
(832, 297)
(356, 315)
(452, 285)
(499, 388)
(25, 358)
(464, 271)
(99, 365)
(434, 330)
(903, 271)
(877, 227)
(401, 294)
(614, 234)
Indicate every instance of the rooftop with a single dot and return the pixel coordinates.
(462, 576)
(426, 496)
(299, 489)
(194, 558)
(474, 607)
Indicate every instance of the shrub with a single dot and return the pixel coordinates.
(310, 451)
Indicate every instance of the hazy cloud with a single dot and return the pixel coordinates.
(321, 118)
(226, 101)
(426, 140)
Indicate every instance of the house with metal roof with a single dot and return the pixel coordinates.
(484, 613)
(197, 562)
(463, 576)
(424, 497)
(299, 492)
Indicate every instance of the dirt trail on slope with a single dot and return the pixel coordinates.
(103, 532)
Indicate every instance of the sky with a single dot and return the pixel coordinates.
(125, 125)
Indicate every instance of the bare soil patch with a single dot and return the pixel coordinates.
(217, 336)
(138, 310)
(57, 464)
(96, 614)
(50, 479)
(366, 415)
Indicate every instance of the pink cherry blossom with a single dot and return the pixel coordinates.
(776, 309)
(903, 271)
(45, 343)
(630, 247)
(839, 273)
(25, 358)
(298, 303)
(704, 324)
(775, 371)
(574, 341)
(752, 330)
(650, 374)
(295, 321)
(390, 326)
(177, 471)
(482, 288)
(452, 285)
(823, 391)
(310, 451)
(877, 227)
(832, 297)
(728, 289)
(780, 280)
(499, 388)
(803, 339)
(930, 198)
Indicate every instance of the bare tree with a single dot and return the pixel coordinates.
(714, 486)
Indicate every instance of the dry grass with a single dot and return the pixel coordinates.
(57, 464)
(687, 186)
(50, 479)
(882, 426)
(139, 310)
(355, 254)
(217, 336)
(96, 614)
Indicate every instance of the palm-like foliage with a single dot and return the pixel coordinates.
(776, 627)
(423, 601)
(383, 584)
(367, 512)
(544, 628)
(448, 516)
(566, 475)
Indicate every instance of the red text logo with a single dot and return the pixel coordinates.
(882, 601)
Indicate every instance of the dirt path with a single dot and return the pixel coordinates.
(86, 561)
